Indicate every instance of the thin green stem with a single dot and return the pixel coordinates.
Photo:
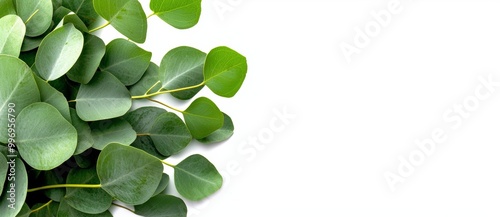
(163, 104)
(150, 15)
(168, 91)
(124, 207)
(31, 16)
(39, 208)
(143, 134)
(65, 186)
(154, 85)
(99, 27)
(168, 164)
(74, 100)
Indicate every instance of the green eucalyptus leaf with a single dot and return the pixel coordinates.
(196, 178)
(126, 16)
(53, 97)
(3, 171)
(181, 14)
(87, 200)
(148, 82)
(25, 211)
(45, 139)
(165, 179)
(104, 97)
(225, 71)
(169, 134)
(89, 60)
(112, 131)
(203, 117)
(83, 161)
(8, 209)
(30, 43)
(224, 133)
(85, 139)
(12, 30)
(7, 7)
(142, 119)
(76, 21)
(162, 206)
(125, 60)
(182, 67)
(47, 211)
(51, 177)
(36, 14)
(18, 89)
(84, 9)
(66, 210)
(58, 52)
(146, 144)
(128, 174)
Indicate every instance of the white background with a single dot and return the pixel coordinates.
(352, 120)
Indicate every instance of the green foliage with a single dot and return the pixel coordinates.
(196, 178)
(45, 139)
(65, 109)
(12, 30)
(181, 14)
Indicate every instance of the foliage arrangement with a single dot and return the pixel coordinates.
(70, 143)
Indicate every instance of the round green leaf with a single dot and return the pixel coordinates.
(66, 210)
(7, 7)
(162, 206)
(3, 171)
(87, 200)
(8, 209)
(45, 139)
(181, 14)
(47, 211)
(182, 67)
(89, 60)
(225, 71)
(224, 133)
(146, 144)
(165, 179)
(169, 134)
(126, 16)
(37, 14)
(196, 178)
(128, 174)
(12, 30)
(84, 9)
(53, 97)
(58, 52)
(142, 119)
(104, 97)
(17, 87)
(203, 117)
(125, 60)
(112, 131)
(85, 140)
(149, 81)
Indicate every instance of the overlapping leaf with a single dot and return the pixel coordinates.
(45, 138)
(12, 30)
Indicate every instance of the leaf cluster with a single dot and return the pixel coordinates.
(65, 109)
